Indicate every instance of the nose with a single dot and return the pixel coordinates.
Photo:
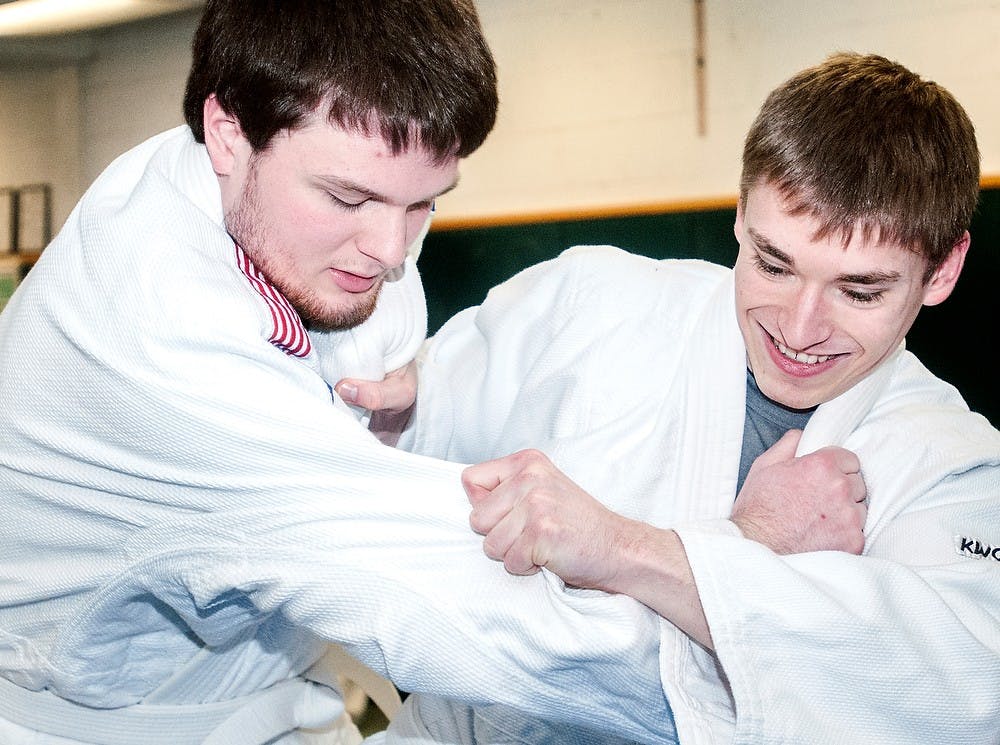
(805, 320)
(385, 238)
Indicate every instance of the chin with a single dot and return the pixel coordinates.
(788, 396)
(339, 318)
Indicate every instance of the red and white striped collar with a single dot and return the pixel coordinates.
(287, 332)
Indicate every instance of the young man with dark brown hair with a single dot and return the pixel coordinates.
(190, 512)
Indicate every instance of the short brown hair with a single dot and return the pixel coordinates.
(407, 70)
(863, 143)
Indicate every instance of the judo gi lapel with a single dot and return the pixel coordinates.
(835, 420)
(713, 403)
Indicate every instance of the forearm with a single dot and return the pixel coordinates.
(652, 567)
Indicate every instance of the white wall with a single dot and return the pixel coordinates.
(68, 106)
(597, 97)
(133, 87)
(40, 134)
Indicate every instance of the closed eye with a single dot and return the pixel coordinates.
(347, 206)
(864, 297)
(767, 267)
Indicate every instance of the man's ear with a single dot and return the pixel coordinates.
(738, 225)
(943, 280)
(223, 138)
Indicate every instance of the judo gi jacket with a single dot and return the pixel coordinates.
(630, 373)
(190, 513)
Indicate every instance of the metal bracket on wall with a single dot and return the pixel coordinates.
(25, 219)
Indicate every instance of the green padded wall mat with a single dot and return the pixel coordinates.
(953, 339)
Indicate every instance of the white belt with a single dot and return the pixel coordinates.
(256, 718)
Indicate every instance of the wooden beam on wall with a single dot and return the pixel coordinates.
(700, 62)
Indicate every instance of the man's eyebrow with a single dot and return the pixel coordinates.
(870, 278)
(347, 185)
(765, 246)
(363, 191)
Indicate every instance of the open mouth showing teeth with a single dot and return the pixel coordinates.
(809, 359)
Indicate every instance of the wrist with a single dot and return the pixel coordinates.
(642, 559)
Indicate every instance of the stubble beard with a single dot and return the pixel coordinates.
(274, 262)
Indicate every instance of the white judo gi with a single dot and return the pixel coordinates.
(630, 374)
(190, 512)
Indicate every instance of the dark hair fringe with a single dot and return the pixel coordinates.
(862, 143)
(411, 71)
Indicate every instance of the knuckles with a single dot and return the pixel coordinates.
(491, 550)
(479, 523)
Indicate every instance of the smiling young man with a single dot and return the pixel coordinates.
(191, 513)
(734, 423)
(819, 314)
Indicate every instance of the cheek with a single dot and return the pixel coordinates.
(742, 283)
(307, 210)
(872, 336)
(880, 335)
(309, 223)
(880, 330)
(752, 293)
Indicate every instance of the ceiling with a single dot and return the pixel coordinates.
(46, 32)
(49, 18)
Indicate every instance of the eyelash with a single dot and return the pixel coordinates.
(347, 206)
(856, 296)
(355, 206)
(864, 297)
(768, 268)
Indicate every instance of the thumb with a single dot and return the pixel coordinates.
(391, 395)
(489, 474)
(782, 450)
(475, 492)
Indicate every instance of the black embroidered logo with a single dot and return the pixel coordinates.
(976, 549)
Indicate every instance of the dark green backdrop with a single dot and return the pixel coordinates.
(957, 339)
